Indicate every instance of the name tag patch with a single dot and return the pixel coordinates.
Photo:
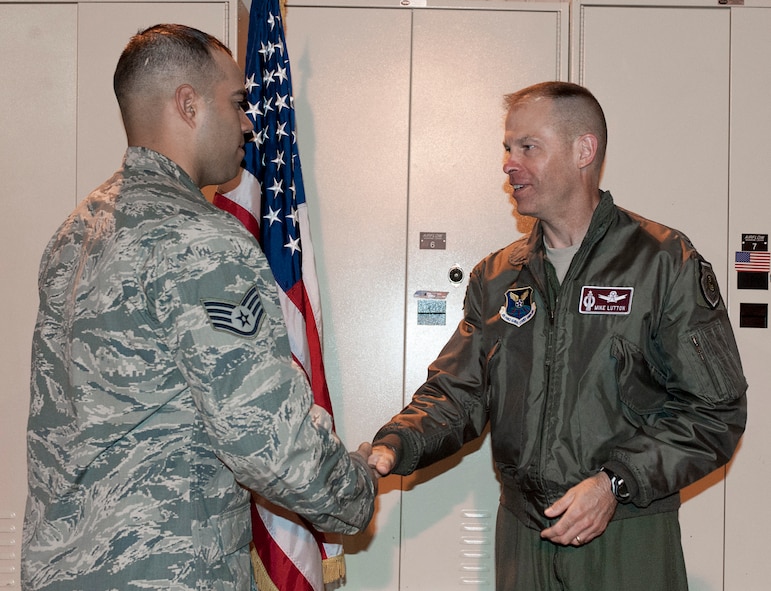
(605, 300)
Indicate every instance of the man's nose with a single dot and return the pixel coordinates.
(510, 165)
(246, 124)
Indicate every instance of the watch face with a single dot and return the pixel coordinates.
(617, 485)
(619, 488)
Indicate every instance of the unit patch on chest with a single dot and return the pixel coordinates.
(605, 300)
(519, 306)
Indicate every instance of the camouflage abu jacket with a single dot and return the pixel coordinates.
(163, 386)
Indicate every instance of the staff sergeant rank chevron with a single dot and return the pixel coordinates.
(242, 319)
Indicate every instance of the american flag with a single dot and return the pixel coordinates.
(270, 202)
(753, 261)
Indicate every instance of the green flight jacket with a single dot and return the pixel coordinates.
(630, 363)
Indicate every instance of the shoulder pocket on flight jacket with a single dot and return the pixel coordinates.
(641, 387)
(714, 362)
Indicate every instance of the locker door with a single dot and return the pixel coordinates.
(661, 75)
(400, 118)
(62, 136)
(37, 159)
(463, 63)
(101, 139)
(747, 517)
(351, 76)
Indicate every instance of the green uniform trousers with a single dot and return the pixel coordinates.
(636, 554)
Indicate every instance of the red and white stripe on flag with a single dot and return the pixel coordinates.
(288, 554)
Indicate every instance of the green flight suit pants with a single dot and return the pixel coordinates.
(636, 554)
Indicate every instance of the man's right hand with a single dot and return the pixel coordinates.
(382, 459)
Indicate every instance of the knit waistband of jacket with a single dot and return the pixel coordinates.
(529, 510)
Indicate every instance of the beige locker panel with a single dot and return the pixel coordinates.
(351, 75)
(61, 137)
(104, 29)
(463, 63)
(399, 124)
(661, 75)
(37, 159)
(748, 519)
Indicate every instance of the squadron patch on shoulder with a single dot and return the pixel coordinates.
(519, 306)
(242, 319)
(709, 286)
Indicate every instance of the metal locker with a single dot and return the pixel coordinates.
(61, 138)
(400, 124)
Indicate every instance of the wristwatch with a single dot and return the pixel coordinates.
(617, 486)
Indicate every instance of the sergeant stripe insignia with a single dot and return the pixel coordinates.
(242, 319)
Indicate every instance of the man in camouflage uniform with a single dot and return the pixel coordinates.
(163, 388)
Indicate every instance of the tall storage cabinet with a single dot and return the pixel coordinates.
(61, 137)
(400, 116)
(681, 84)
(667, 106)
(37, 107)
(747, 520)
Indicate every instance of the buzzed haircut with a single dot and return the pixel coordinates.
(161, 53)
(577, 110)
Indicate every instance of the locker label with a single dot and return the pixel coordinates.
(755, 242)
(433, 240)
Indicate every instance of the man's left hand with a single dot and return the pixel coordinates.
(584, 511)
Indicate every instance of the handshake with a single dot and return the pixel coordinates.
(380, 459)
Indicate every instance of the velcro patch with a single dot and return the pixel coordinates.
(605, 300)
(519, 306)
(708, 282)
(242, 319)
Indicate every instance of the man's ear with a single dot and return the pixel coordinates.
(186, 100)
(587, 149)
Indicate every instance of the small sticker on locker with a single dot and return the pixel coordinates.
(433, 240)
(751, 280)
(432, 312)
(746, 260)
(753, 315)
(424, 294)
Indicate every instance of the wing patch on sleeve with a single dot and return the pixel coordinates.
(241, 319)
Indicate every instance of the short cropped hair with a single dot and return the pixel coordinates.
(160, 55)
(577, 110)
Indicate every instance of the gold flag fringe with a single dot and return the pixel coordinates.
(333, 569)
(261, 576)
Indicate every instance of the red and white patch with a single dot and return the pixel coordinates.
(605, 300)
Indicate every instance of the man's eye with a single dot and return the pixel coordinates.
(243, 105)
